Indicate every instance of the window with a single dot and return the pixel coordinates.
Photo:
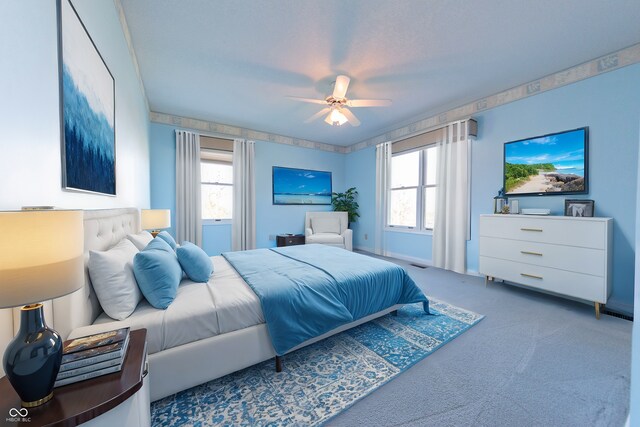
(412, 196)
(216, 172)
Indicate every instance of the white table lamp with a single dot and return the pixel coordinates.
(41, 257)
(155, 219)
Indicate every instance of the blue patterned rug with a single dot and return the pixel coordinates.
(321, 380)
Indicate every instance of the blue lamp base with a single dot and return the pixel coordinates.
(32, 359)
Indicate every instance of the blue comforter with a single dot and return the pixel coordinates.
(306, 291)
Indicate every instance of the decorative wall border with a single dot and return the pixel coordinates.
(595, 67)
(603, 64)
(132, 52)
(237, 132)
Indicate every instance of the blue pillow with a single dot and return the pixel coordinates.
(195, 262)
(158, 273)
(168, 238)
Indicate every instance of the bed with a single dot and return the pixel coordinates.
(211, 329)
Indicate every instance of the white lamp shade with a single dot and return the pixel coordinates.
(41, 255)
(153, 219)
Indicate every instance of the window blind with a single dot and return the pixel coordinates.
(431, 137)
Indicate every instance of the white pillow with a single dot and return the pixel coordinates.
(113, 280)
(140, 240)
(325, 225)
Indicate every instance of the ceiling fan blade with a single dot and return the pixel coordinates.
(318, 115)
(340, 88)
(369, 102)
(328, 120)
(310, 100)
(349, 115)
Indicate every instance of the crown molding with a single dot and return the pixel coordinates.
(238, 132)
(595, 67)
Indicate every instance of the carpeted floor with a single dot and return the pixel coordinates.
(535, 360)
(322, 379)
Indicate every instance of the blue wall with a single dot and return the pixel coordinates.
(634, 406)
(608, 104)
(276, 219)
(271, 219)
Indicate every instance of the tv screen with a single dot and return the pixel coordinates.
(301, 187)
(547, 165)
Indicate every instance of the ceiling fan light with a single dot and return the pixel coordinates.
(336, 117)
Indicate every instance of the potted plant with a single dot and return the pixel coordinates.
(346, 202)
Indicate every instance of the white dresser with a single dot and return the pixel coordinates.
(564, 255)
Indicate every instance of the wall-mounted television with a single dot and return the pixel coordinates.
(546, 165)
(301, 187)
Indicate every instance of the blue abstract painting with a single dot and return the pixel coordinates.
(87, 91)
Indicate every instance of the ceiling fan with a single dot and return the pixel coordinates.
(337, 103)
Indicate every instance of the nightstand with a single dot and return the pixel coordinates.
(121, 398)
(289, 239)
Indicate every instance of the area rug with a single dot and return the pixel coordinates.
(321, 380)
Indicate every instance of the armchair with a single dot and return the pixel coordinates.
(328, 228)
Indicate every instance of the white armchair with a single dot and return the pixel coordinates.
(328, 228)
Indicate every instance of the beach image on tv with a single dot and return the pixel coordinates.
(301, 187)
(548, 164)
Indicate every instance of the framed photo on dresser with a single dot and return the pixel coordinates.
(579, 207)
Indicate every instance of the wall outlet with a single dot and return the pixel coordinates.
(366, 236)
(272, 237)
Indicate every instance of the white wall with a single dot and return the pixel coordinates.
(30, 166)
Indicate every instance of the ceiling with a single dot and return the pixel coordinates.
(234, 62)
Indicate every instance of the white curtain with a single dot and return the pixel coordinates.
(243, 231)
(188, 209)
(452, 202)
(383, 176)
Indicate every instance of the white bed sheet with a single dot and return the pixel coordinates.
(201, 310)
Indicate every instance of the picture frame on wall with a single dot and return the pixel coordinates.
(579, 207)
(87, 108)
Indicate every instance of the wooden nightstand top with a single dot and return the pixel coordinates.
(77, 403)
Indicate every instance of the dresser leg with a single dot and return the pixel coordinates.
(597, 306)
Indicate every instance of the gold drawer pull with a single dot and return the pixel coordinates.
(531, 276)
(531, 253)
(532, 229)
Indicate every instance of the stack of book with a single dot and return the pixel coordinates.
(92, 356)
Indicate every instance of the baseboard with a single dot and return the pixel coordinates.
(365, 249)
(620, 307)
(422, 261)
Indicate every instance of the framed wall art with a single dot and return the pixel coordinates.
(87, 109)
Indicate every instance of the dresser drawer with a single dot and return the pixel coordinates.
(571, 258)
(561, 231)
(578, 285)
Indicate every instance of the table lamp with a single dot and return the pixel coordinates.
(41, 257)
(155, 219)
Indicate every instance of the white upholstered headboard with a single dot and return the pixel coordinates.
(102, 229)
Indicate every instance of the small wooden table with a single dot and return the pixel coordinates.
(80, 402)
(289, 239)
